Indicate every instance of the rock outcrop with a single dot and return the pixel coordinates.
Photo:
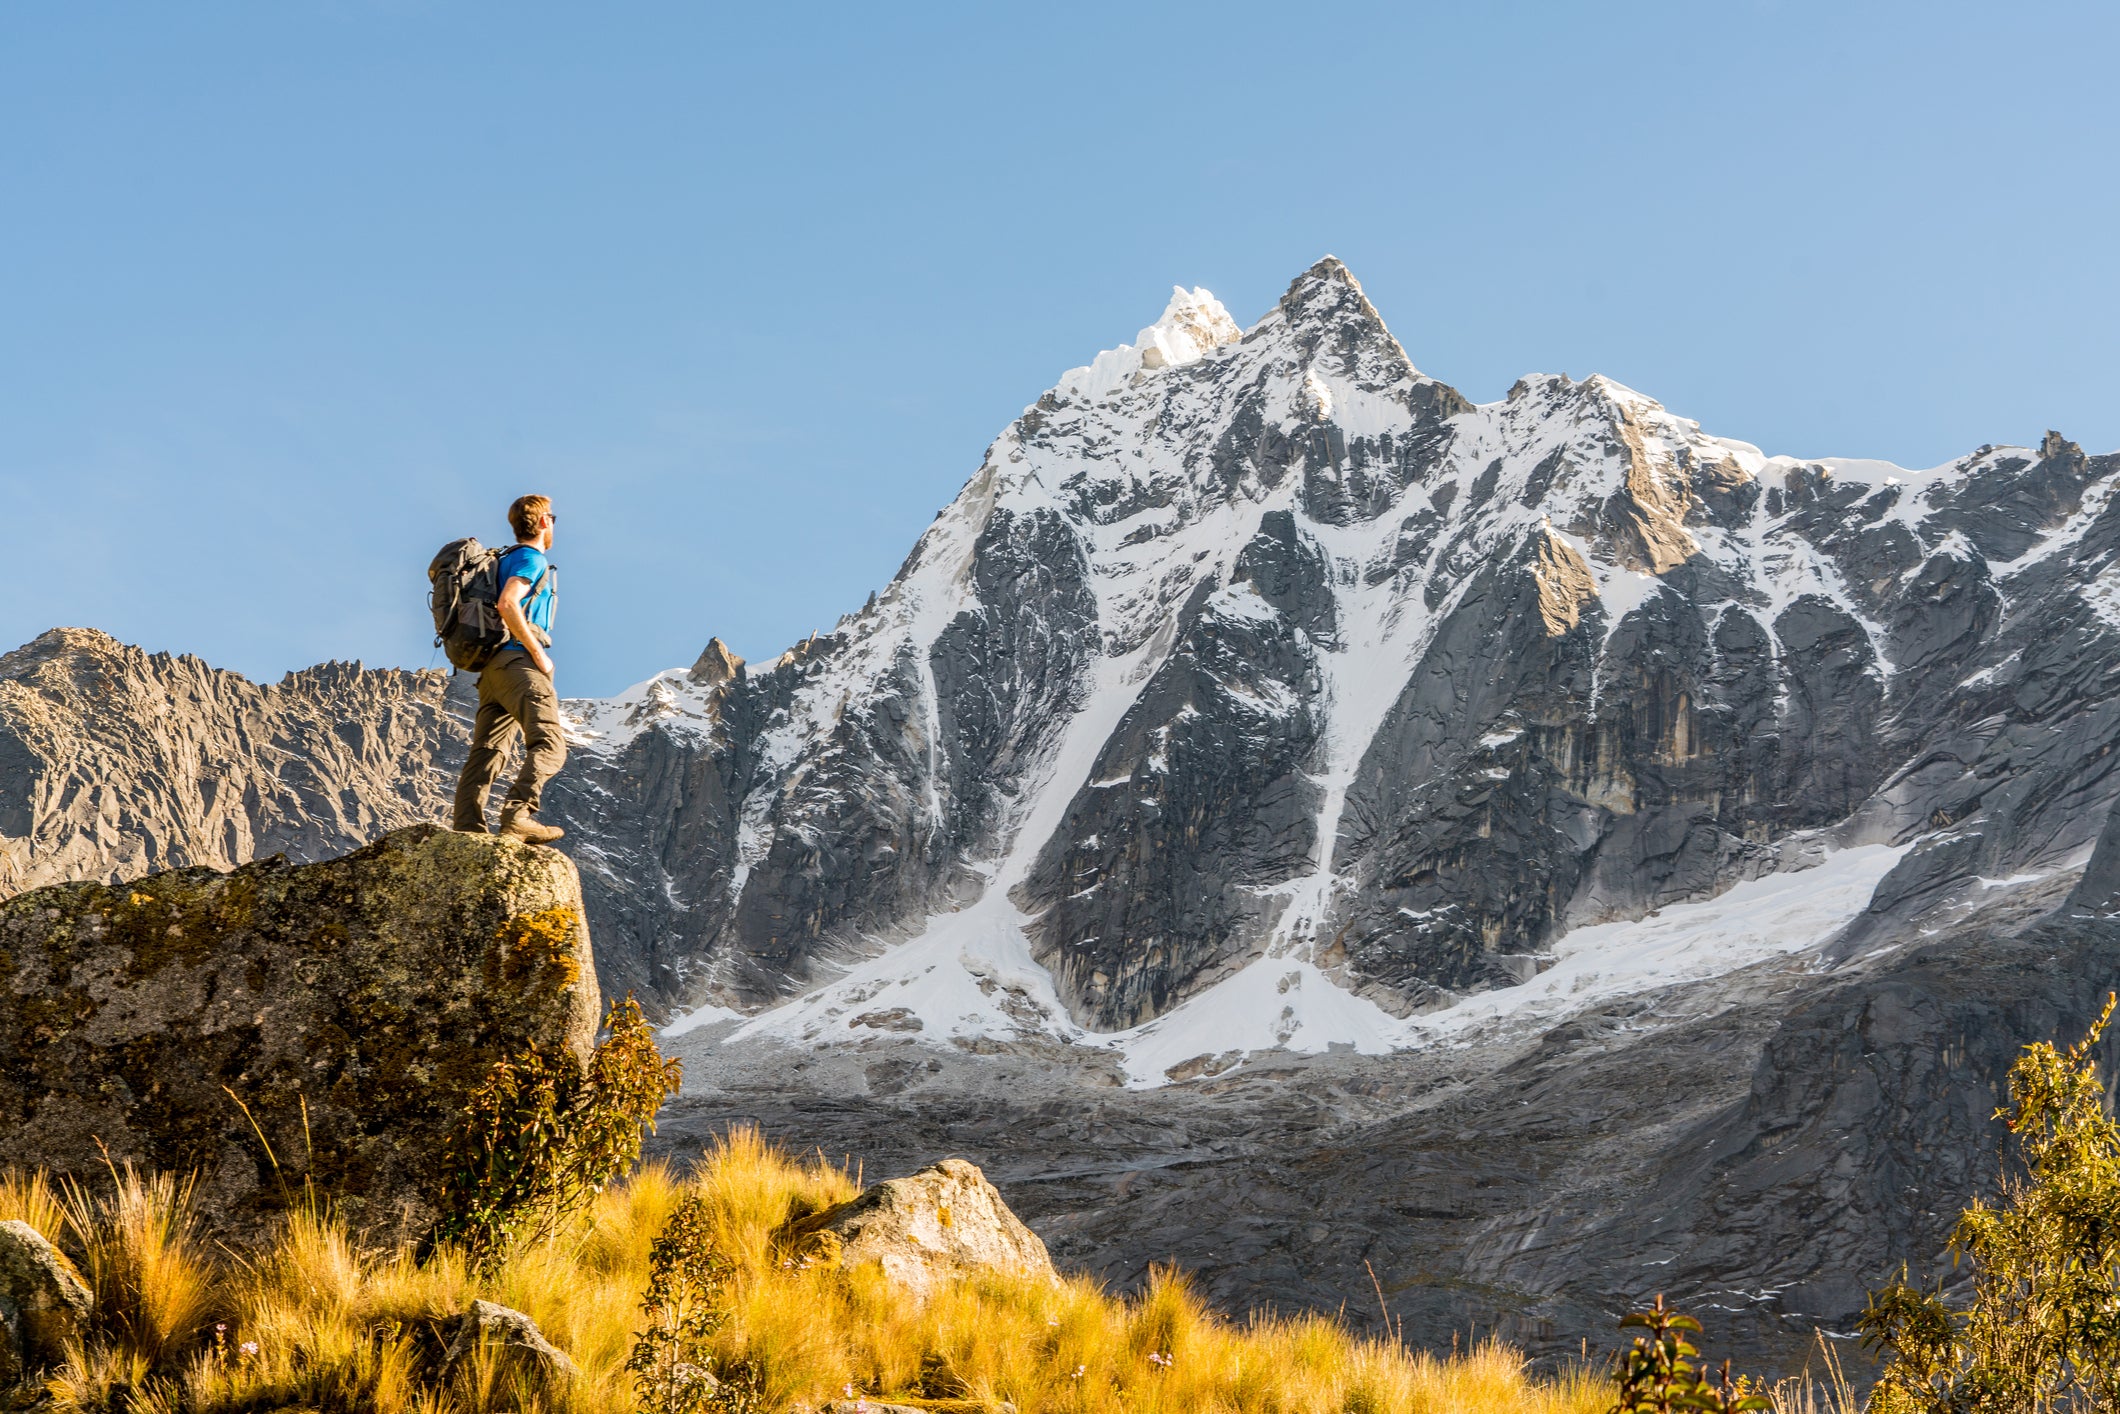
(44, 1304)
(513, 1341)
(944, 1222)
(283, 1024)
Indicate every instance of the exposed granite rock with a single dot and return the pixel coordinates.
(943, 1222)
(338, 1012)
(1196, 806)
(716, 665)
(44, 1304)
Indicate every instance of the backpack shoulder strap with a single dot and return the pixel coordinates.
(535, 584)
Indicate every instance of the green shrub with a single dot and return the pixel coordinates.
(685, 1307)
(2041, 1330)
(1657, 1375)
(543, 1135)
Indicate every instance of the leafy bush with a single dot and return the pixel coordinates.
(1657, 1374)
(684, 1308)
(544, 1134)
(2042, 1328)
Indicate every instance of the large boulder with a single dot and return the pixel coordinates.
(943, 1222)
(284, 1024)
(43, 1303)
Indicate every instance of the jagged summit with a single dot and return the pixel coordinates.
(1267, 651)
(1329, 317)
(716, 664)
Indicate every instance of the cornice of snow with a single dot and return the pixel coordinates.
(1193, 326)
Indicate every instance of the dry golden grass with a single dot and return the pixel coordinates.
(29, 1198)
(1822, 1388)
(316, 1324)
(153, 1283)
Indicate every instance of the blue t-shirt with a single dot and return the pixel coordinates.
(527, 562)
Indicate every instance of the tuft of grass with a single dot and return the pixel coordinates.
(137, 1247)
(29, 1198)
(1825, 1390)
(317, 1323)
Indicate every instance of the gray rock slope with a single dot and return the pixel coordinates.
(116, 763)
(1261, 699)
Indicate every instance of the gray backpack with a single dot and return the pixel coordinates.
(465, 596)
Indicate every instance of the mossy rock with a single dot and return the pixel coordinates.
(283, 1025)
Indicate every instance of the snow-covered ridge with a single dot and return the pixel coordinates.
(1193, 326)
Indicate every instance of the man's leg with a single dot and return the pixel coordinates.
(530, 701)
(492, 732)
(544, 741)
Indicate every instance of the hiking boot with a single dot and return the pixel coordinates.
(518, 823)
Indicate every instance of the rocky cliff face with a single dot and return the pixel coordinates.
(280, 1024)
(1260, 696)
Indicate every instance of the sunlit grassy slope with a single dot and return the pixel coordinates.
(334, 1330)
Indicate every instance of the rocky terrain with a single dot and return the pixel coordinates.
(281, 1025)
(1283, 813)
(115, 763)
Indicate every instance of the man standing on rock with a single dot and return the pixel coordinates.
(515, 690)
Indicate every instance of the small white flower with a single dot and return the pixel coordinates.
(248, 1347)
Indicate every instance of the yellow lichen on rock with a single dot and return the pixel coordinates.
(538, 949)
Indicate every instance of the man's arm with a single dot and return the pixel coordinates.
(519, 623)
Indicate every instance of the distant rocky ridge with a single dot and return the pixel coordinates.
(115, 762)
(1267, 722)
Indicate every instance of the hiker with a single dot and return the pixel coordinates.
(515, 690)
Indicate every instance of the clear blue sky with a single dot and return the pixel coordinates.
(292, 292)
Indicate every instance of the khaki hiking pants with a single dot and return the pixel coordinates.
(513, 696)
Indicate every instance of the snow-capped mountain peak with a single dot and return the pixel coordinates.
(1262, 648)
